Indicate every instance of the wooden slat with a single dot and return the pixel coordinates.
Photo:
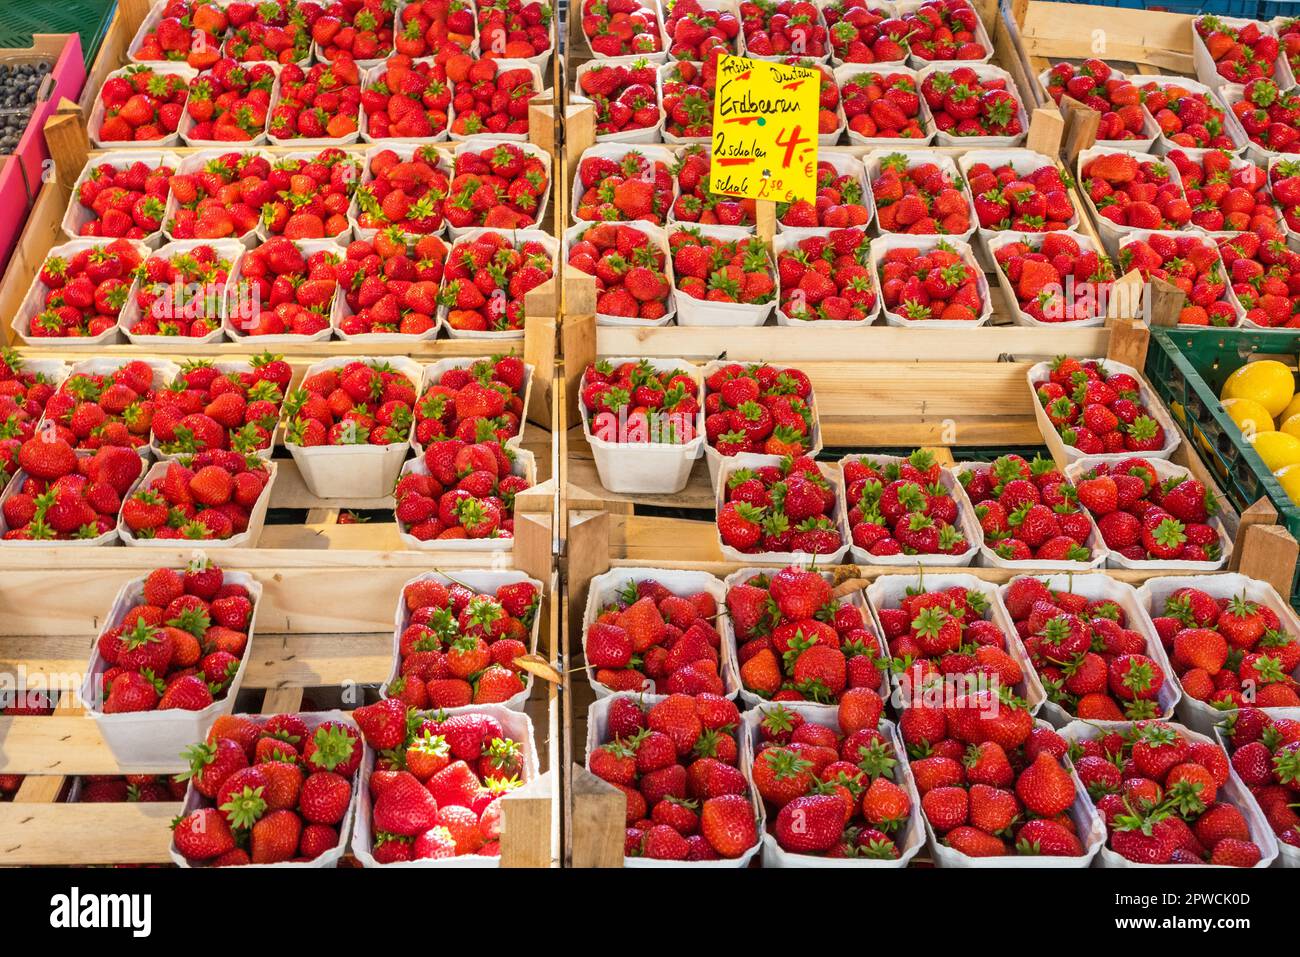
(53, 835)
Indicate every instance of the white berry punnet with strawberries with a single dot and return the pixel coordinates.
(629, 265)
(1192, 264)
(796, 641)
(836, 787)
(942, 626)
(784, 510)
(965, 103)
(1029, 512)
(126, 199)
(826, 278)
(26, 385)
(778, 28)
(1037, 270)
(1148, 510)
(636, 403)
(79, 291)
(1265, 752)
(1091, 653)
(676, 761)
(863, 32)
(619, 28)
(994, 783)
(432, 782)
(626, 98)
(945, 30)
(458, 645)
(180, 292)
(216, 495)
(177, 641)
(115, 406)
(905, 508)
(695, 32)
(475, 401)
(357, 403)
(1232, 641)
(759, 408)
(276, 789)
(436, 503)
(1168, 796)
(60, 496)
(241, 398)
(1094, 408)
(657, 632)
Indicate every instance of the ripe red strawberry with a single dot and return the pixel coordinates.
(188, 31)
(902, 506)
(944, 30)
(390, 284)
(884, 105)
(760, 408)
(827, 278)
(695, 203)
(803, 519)
(838, 202)
(479, 299)
(81, 289)
(147, 106)
(920, 194)
(1192, 264)
(408, 99)
(638, 403)
(489, 97)
(936, 281)
(320, 102)
(629, 265)
(1133, 191)
(786, 657)
(621, 28)
(625, 97)
(181, 292)
(1188, 116)
(354, 30)
(860, 33)
(1031, 503)
(965, 103)
(1058, 278)
(1240, 53)
(637, 185)
(470, 401)
(1097, 410)
(687, 96)
(122, 200)
(721, 270)
(781, 28)
(1099, 86)
(1034, 202)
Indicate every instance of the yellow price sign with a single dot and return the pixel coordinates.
(765, 130)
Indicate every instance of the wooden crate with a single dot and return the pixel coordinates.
(968, 390)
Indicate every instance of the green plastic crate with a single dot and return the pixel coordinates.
(1187, 370)
(19, 19)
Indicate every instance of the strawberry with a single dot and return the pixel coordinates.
(938, 284)
(80, 292)
(354, 30)
(720, 270)
(107, 189)
(696, 203)
(491, 99)
(1193, 265)
(1188, 117)
(625, 97)
(181, 294)
(1031, 503)
(1240, 53)
(147, 107)
(1058, 277)
(188, 31)
(786, 656)
(860, 33)
(800, 510)
(751, 408)
(883, 105)
(283, 291)
(1098, 411)
(1168, 811)
(781, 28)
(357, 403)
(920, 193)
(1157, 519)
(481, 299)
(321, 102)
(902, 506)
(469, 638)
(963, 103)
(638, 403)
(621, 28)
(944, 30)
(1099, 86)
(511, 29)
(391, 284)
(430, 26)
(1131, 190)
(694, 32)
(838, 202)
(272, 30)
(687, 97)
(629, 266)
(408, 99)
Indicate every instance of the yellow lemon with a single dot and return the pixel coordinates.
(1291, 426)
(1277, 449)
(1249, 415)
(1291, 409)
(1289, 478)
(1268, 382)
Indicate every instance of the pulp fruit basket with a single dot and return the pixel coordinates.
(1187, 370)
